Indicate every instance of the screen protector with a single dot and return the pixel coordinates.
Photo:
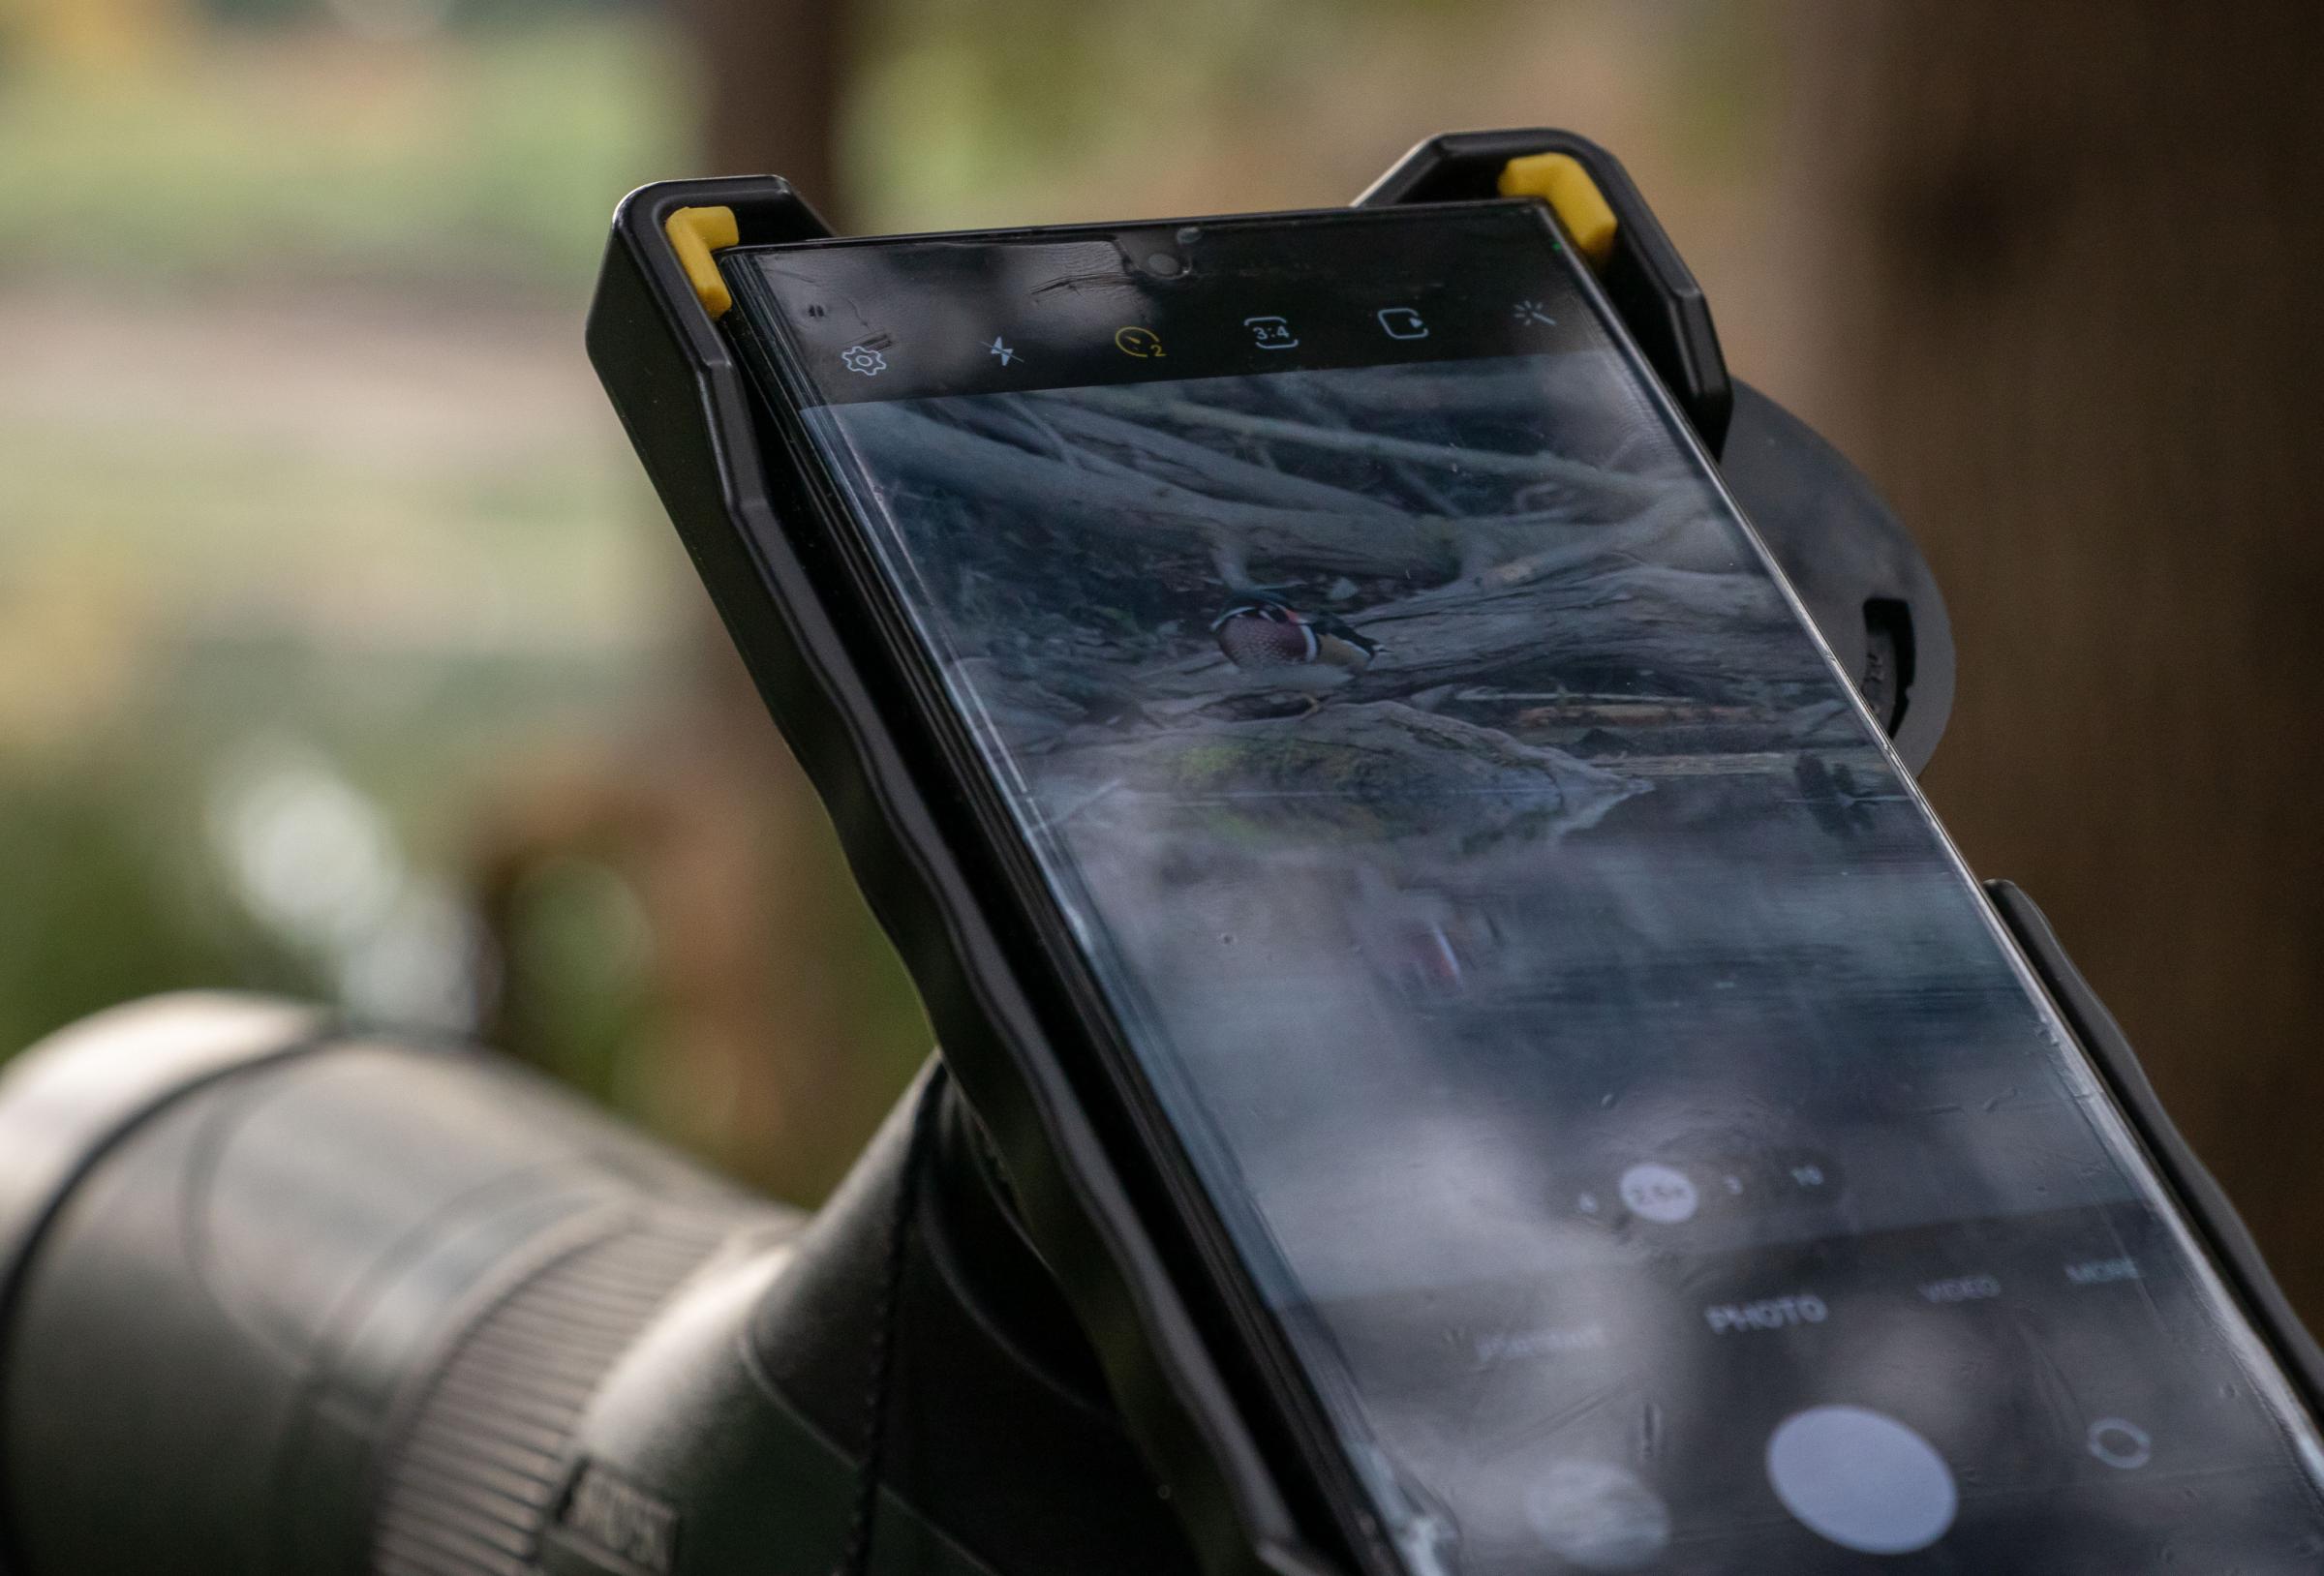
(1653, 1150)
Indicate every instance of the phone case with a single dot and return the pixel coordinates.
(1256, 1492)
(688, 407)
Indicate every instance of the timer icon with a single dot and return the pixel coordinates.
(1133, 341)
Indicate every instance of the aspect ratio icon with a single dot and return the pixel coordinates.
(1142, 342)
(1403, 323)
(1271, 333)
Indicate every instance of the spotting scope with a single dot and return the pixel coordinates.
(281, 1300)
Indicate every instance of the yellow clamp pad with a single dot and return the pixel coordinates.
(1559, 179)
(695, 233)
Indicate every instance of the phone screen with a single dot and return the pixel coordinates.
(1650, 1144)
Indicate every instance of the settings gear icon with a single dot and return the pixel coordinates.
(864, 359)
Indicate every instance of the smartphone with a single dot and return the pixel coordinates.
(1591, 1074)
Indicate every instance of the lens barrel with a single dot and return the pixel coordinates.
(240, 1255)
(282, 1300)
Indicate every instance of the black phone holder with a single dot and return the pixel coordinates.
(689, 410)
(989, 1417)
(952, 1446)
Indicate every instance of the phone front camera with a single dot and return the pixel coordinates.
(1163, 265)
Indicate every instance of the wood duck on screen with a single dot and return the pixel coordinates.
(1262, 632)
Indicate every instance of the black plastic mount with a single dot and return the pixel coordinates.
(1646, 279)
(1853, 563)
(689, 410)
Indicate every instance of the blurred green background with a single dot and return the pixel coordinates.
(344, 650)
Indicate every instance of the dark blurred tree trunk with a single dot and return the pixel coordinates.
(2074, 268)
(773, 70)
(772, 968)
(782, 1027)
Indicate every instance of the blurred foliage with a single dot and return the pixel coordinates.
(1054, 91)
(307, 500)
(408, 17)
(1026, 111)
(329, 590)
(485, 157)
(328, 583)
(100, 907)
(579, 948)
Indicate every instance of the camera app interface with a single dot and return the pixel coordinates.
(1651, 1146)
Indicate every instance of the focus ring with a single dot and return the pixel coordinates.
(474, 1480)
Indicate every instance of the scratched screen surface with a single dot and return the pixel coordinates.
(1652, 1147)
